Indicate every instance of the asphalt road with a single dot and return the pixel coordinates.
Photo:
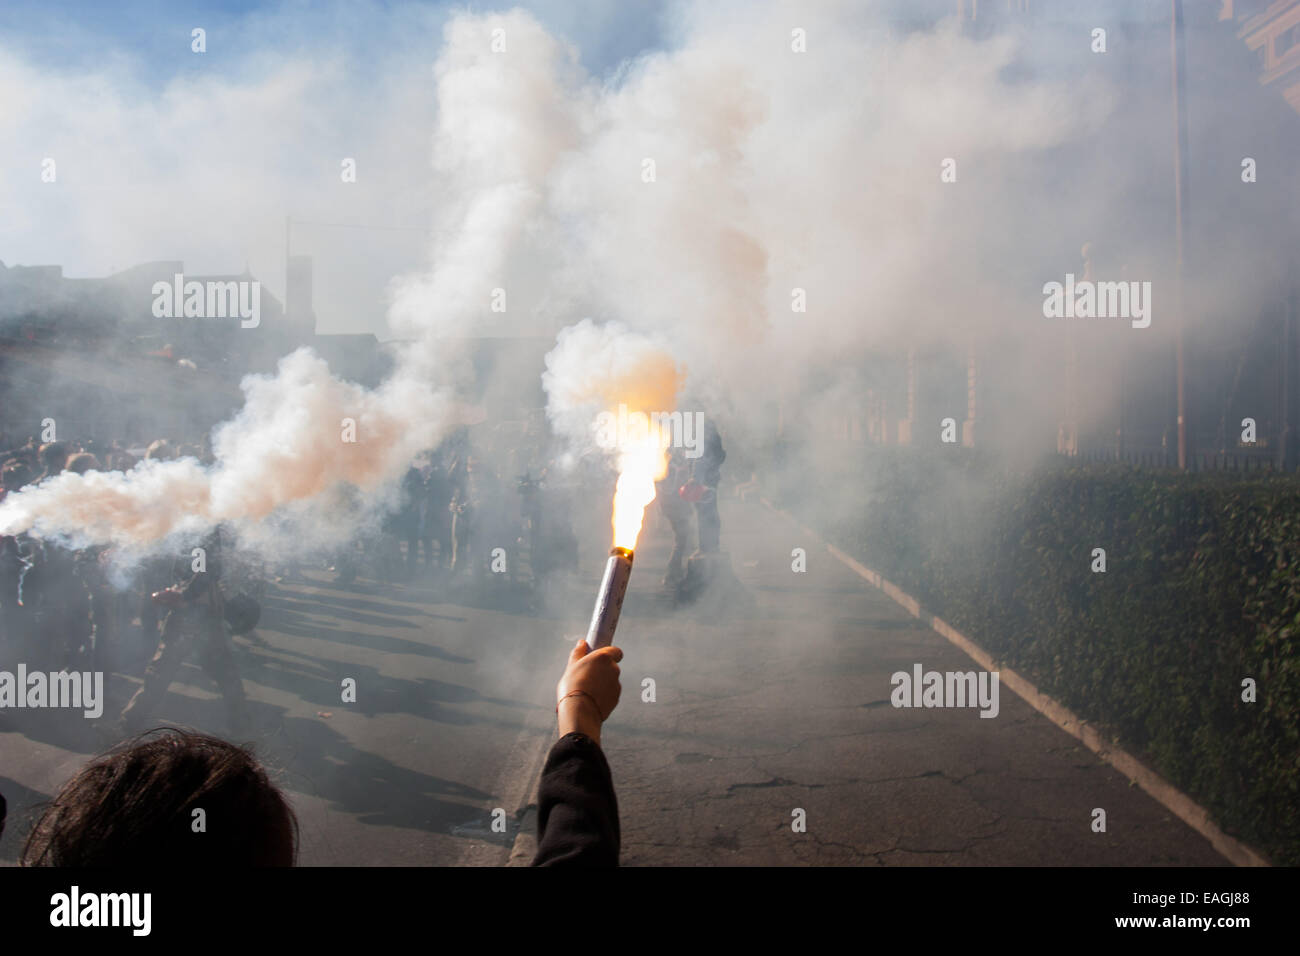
(759, 711)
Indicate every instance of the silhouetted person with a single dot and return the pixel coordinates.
(414, 517)
(160, 450)
(82, 462)
(15, 561)
(196, 620)
(437, 491)
(53, 456)
(466, 500)
(707, 471)
(678, 514)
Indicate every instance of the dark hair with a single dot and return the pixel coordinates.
(123, 461)
(15, 475)
(134, 806)
(159, 449)
(82, 462)
(54, 455)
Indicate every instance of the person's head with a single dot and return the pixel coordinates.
(15, 475)
(138, 805)
(83, 462)
(54, 455)
(159, 450)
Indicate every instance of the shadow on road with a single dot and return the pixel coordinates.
(25, 806)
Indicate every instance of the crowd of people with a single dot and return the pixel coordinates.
(57, 608)
(456, 507)
(60, 609)
(135, 805)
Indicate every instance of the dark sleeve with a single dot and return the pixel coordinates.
(577, 812)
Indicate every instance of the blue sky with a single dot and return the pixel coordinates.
(154, 34)
(165, 154)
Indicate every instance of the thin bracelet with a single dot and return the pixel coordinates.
(574, 693)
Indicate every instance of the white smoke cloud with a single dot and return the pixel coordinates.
(773, 170)
(595, 368)
(503, 120)
(285, 447)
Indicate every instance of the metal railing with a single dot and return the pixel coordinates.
(1240, 462)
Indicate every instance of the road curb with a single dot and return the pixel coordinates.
(1161, 790)
(525, 846)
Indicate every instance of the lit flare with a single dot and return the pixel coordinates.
(642, 460)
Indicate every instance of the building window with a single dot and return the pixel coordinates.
(1286, 41)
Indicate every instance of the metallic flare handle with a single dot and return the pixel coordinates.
(609, 599)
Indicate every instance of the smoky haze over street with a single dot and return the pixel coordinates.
(933, 364)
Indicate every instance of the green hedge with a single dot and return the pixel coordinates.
(1202, 589)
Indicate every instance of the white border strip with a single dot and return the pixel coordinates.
(1165, 793)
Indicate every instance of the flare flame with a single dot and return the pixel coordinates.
(642, 460)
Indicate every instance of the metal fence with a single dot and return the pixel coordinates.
(1240, 462)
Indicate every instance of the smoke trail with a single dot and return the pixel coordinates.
(770, 212)
(595, 368)
(504, 121)
(758, 208)
(288, 444)
(611, 372)
(286, 454)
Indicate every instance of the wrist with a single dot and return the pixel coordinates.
(578, 713)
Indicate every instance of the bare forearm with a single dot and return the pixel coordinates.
(578, 714)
